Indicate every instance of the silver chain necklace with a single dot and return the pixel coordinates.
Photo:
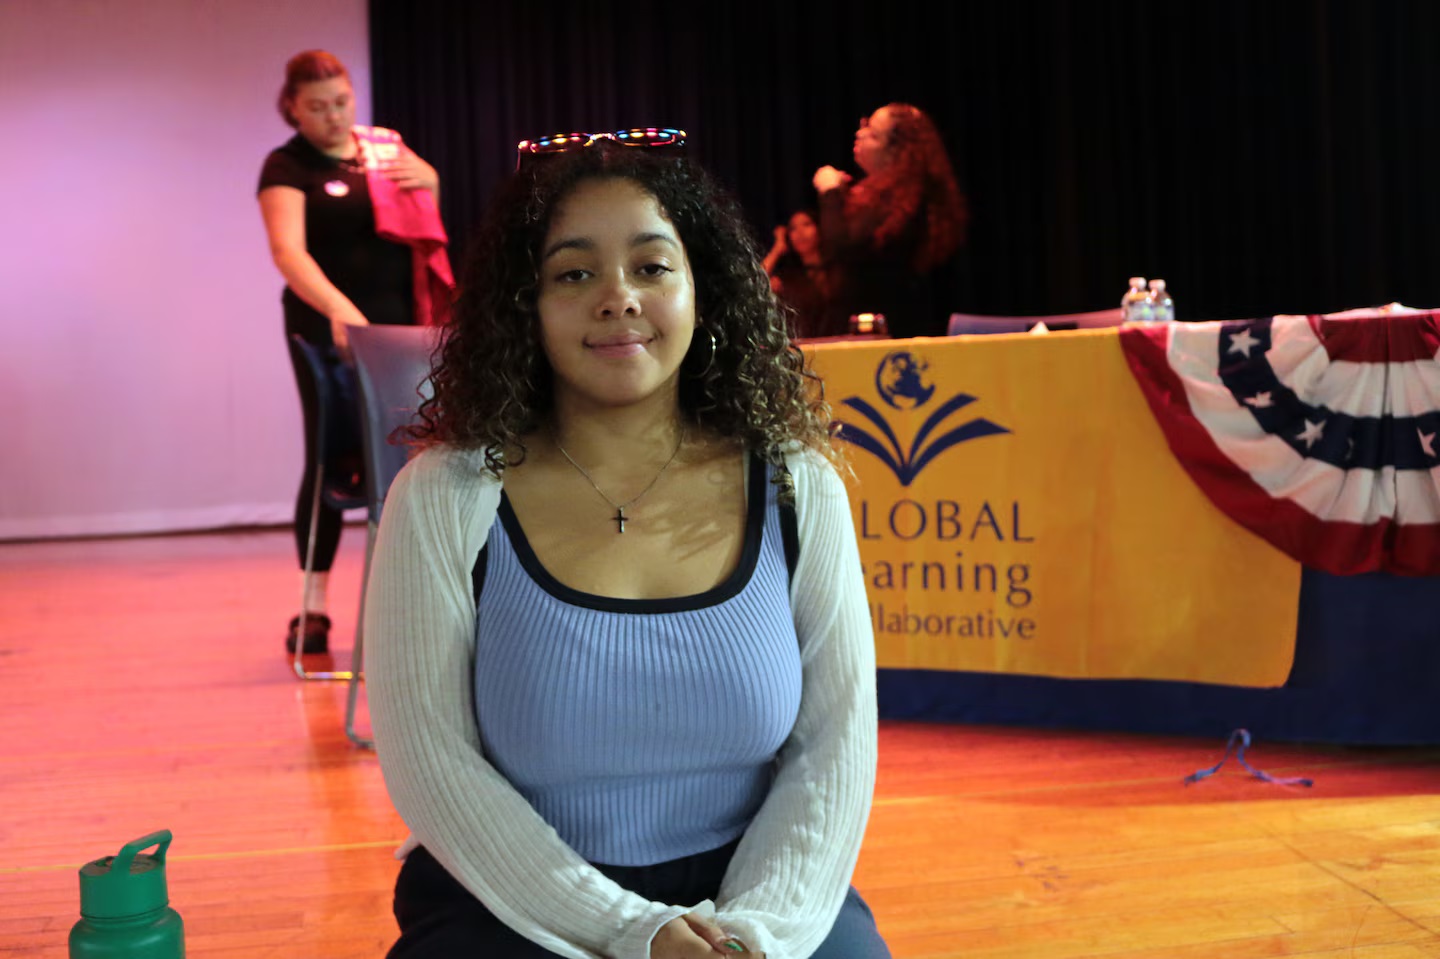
(620, 508)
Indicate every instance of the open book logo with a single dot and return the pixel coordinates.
(901, 381)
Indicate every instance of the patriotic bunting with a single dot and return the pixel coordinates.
(1318, 434)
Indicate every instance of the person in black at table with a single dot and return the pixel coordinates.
(888, 231)
(316, 200)
(801, 278)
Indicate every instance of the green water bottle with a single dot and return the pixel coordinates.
(125, 908)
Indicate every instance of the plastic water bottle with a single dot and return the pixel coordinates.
(1162, 308)
(125, 907)
(1135, 304)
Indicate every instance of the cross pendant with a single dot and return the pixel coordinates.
(619, 518)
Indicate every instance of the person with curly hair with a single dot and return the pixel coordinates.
(619, 658)
(891, 229)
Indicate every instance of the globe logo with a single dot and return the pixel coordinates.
(900, 381)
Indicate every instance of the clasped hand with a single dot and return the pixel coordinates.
(693, 937)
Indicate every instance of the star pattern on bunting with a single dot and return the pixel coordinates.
(1311, 433)
(1304, 437)
(1243, 342)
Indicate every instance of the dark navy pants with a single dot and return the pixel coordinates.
(439, 918)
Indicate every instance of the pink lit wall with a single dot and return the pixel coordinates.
(144, 383)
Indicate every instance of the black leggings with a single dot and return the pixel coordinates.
(440, 919)
(327, 530)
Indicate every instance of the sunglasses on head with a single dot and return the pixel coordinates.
(528, 151)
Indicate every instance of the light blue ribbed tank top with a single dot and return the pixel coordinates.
(641, 730)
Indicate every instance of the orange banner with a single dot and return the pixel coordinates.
(1018, 511)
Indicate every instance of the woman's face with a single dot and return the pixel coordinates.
(804, 236)
(616, 298)
(872, 141)
(325, 112)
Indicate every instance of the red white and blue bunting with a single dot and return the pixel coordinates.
(1319, 434)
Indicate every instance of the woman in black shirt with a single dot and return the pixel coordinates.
(320, 221)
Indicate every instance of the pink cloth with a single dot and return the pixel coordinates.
(409, 217)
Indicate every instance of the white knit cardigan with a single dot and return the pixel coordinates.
(790, 873)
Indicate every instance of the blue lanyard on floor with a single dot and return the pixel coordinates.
(1242, 736)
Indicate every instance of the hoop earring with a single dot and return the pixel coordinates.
(700, 347)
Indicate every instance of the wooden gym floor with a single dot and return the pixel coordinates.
(143, 686)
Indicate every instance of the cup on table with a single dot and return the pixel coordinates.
(867, 324)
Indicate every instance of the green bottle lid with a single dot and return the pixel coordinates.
(128, 884)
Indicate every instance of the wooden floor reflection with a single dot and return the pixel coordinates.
(143, 686)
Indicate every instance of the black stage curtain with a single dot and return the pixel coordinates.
(1262, 156)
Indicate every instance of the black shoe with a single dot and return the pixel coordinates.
(317, 634)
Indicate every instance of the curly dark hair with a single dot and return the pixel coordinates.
(493, 383)
(919, 182)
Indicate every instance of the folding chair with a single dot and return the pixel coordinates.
(392, 365)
